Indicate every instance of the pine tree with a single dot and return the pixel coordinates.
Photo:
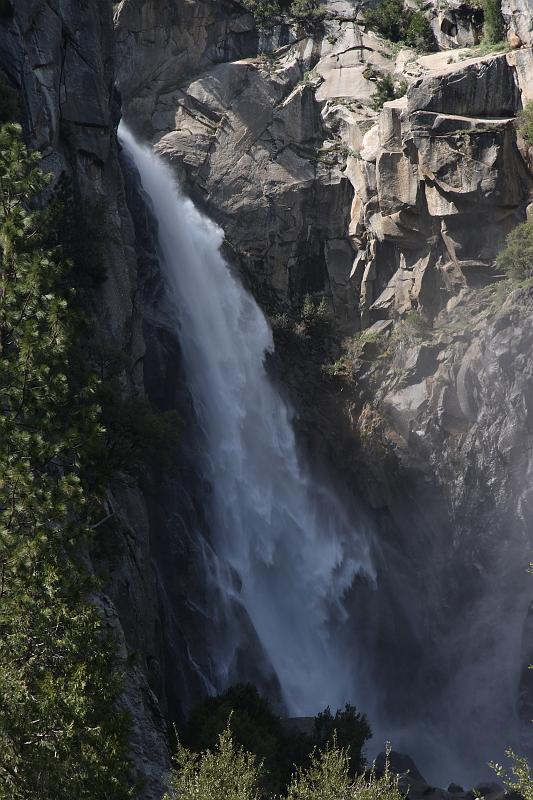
(60, 735)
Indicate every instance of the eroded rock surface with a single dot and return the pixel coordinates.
(61, 58)
(385, 213)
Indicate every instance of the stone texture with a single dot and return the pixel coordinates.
(485, 89)
(60, 56)
(383, 213)
(519, 18)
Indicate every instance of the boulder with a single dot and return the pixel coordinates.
(515, 42)
(490, 790)
(406, 406)
(518, 15)
(399, 764)
(486, 88)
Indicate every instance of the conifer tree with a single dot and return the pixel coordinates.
(60, 736)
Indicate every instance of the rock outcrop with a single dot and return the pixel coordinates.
(385, 213)
(443, 187)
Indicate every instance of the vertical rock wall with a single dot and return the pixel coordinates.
(60, 56)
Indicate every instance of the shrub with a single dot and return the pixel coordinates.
(493, 23)
(315, 318)
(387, 19)
(516, 259)
(225, 773)
(387, 89)
(525, 122)
(310, 11)
(348, 728)
(256, 728)
(61, 735)
(326, 778)
(419, 34)
(412, 327)
(264, 11)
(398, 24)
(520, 781)
(253, 723)
(229, 772)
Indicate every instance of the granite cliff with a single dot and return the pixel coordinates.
(384, 213)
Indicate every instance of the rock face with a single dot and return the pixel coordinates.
(519, 18)
(385, 213)
(450, 182)
(262, 142)
(278, 147)
(382, 212)
(61, 58)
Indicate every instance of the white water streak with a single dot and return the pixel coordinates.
(285, 535)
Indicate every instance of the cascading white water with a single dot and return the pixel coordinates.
(285, 549)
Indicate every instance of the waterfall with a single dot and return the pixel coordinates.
(283, 551)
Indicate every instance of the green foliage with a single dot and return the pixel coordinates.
(387, 19)
(493, 22)
(267, 12)
(253, 723)
(315, 313)
(387, 89)
(257, 729)
(419, 34)
(372, 787)
(348, 728)
(520, 780)
(398, 24)
(482, 49)
(226, 772)
(411, 328)
(516, 259)
(525, 122)
(307, 11)
(329, 778)
(60, 736)
(326, 778)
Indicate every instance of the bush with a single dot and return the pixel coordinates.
(257, 729)
(229, 772)
(398, 24)
(254, 725)
(419, 34)
(266, 12)
(225, 773)
(326, 778)
(493, 22)
(61, 735)
(309, 11)
(349, 729)
(315, 318)
(525, 122)
(520, 781)
(387, 19)
(516, 259)
(387, 89)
